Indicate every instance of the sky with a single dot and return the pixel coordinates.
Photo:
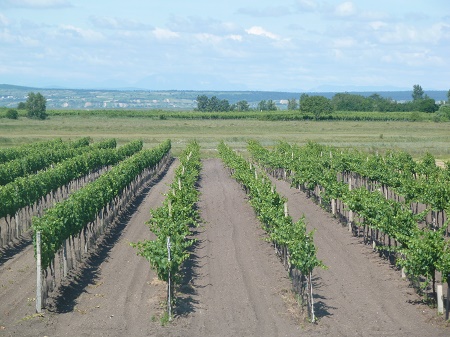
(284, 45)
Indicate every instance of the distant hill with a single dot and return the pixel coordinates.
(59, 98)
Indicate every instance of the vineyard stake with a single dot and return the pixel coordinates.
(38, 274)
(440, 300)
(448, 297)
(169, 304)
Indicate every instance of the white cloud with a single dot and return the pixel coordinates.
(402, 33)
(414, 58)
(39, 4)
(4, 21)
(307, 5)
(208, 38)
(345, 42)
(117, 23)
(85, 34)
(7, 37)
(345, 9)
(260, 31)
(265, 12)
(195, 24)
(376, 25)
(234, 37)
(165, 34)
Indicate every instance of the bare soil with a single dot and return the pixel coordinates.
(360, 294)
(234, 285)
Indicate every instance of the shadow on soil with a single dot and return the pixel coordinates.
(186, 303)
(64, 299)
(321, 309)
(15, 248)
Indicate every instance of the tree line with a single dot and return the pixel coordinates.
(319, 105)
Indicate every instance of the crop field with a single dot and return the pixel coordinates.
(113, 226)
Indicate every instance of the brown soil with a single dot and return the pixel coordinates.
(234, 285)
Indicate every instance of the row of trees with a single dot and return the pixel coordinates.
(353, 102)
(320, 105)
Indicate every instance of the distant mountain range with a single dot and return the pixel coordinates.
(131, 98)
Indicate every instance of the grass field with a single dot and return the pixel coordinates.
(414, 137)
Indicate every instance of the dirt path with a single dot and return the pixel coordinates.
(360, 294)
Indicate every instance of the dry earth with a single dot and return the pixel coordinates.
(234, 285)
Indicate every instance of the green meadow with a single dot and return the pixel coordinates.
(416, 137)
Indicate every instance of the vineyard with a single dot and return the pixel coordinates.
(289, 240)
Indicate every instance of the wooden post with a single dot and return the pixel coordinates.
(350, 213)
(447, 309)
(313, 317)
(65, 258)
(169, 286)
(440, 299)
(38, 274)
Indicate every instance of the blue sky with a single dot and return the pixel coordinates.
(292, 45)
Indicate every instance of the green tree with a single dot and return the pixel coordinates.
(214, 104)
(317, 105)
(271, 105)
(292, 104)
(21, 106)
(36, 106)
(242, 106)
(202, 103)
(262, 106)
(12, 114)
(417, 93)
(224, 105)
(448, 96)
(427, 105)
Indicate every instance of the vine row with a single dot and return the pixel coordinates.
(171, 222)
(391, 224)
(297, 246)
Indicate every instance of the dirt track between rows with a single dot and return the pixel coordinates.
(234, 284)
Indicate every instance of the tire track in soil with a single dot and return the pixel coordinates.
(114, 295)
(360, 294)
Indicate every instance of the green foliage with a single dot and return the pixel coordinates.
(427, 105)
(423, 251)
(174, 218)
(292, 104)
(269, 206)
(12, 114)
(36, 161)
(317, 105)
(241, 106)
(72, 215)
(267, 105)
(36, 106)
(206, 104)
(353, 102)
(417, 93)
(21, 106)
(8, 154)
(443, 113)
